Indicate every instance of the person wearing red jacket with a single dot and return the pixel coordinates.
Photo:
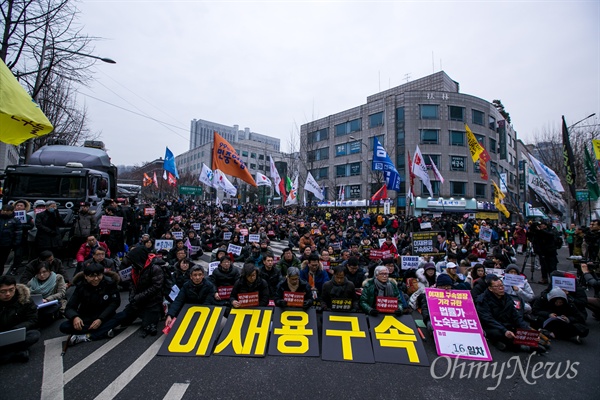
(86, 251)
(388, 245)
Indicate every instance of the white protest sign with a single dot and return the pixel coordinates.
(242, 239)
(254, 238)
(177, 234)
(125, 274)
(195, 249)
(20, 215)
(196, 226)
(163, 244)
(111, 223)
(174, 292)
(212, 266)
(233, 249)
(485, 234)
(567, 284)
(249, 221)
(496, 271)
(514, 280)
(409, 262)
(226, 235)
(425, 225)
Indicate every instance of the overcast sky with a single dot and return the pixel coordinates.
(273, 66)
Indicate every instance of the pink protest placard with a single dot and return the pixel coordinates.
(456, 328)
(111, 223)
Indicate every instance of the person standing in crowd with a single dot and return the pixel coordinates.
(10, 233)
(21, 251)
(570, 238)
(48, 224)
(83, 227)
(543, 246)
(17, 310)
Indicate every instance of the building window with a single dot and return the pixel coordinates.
(429, 111)
(352, 169)
(435, 158)
(480, 139)
(252, 166)
(354, 192)
(429, 136)
(458, 188)
(478, 117)
(348, 148)
(493, 146)
(456, 113)
(457, 138)
(492, 123)
(244, 153)
(458, 163)
(318, 154)
(493, 167)
(376, 120)
(348, 127)
(261, 157)
(317, 136)
(401, 161)
(252, 155)
(320, 173)
(476, 168)
(512, 179)
(261, 167)
(480, 190)
(381, 139)
(435, 188)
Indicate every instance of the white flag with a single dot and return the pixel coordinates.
(262, 180)
(275, 175)
(435, 171)
(293, 195)
(312, 186)
(420, 169)
(165, 174)
(218, 203)
(304, 198)
(341, 193)
(222, 182)
(207, 177)
(547, 174)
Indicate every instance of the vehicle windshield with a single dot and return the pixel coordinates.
(45, 187)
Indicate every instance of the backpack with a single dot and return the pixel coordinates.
(558, 241)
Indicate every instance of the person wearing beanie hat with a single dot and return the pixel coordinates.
(556, 313)
(444, 281)
(90, 311)
(499, 317)
(146, 291)
(522, 296)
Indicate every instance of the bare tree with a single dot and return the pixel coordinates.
(49, 54)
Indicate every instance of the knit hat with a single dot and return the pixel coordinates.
(556, 293)
(510, 267)
(428, 266)
(444, 280)
(138, 255)
(93, 269)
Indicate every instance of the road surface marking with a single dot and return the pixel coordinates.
(177, 391)
(127, 376)
(96, 355)
(52, 381)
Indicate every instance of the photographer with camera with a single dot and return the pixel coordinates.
(593, 303)
(543, 240)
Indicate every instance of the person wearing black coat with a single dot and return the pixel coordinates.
(17, 310)
(498, 315)
(270, 274)
(146, 292)
(339, 294)
(48, 224)
(91, 310)
(47, 257)
(559, 315)
(293, 283)
(197, 290)
(11, 233)
(250, 282)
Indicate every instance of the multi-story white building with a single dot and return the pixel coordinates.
(429, 112)
(201, 132)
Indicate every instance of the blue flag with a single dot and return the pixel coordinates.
(169, 164)
(382, 162)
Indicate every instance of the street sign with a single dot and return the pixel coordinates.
(195, 190)
(582, 194)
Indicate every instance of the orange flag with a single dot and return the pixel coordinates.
(227, 160)
(147, 180)
(484, 157)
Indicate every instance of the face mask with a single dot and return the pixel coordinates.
(463, 250)
(52, 210)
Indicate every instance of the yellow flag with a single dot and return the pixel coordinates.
(474, 145)
(596, 144)
(20, 118)
(497, 192)
(498, 196)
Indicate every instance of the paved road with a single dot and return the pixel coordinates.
(127, 367)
